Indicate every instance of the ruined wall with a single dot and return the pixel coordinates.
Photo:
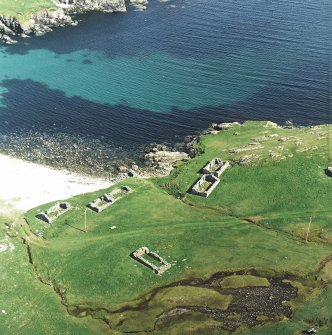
(139, 256)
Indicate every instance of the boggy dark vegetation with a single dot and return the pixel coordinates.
(249, 306)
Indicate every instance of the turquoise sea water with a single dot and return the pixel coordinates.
(156, 82)
(125, 80)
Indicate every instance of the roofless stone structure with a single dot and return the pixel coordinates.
(108, 199)
(216, 167)
(54, 212)
(205, 185)
(144, 251)
(209, 181)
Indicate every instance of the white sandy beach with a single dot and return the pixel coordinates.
(24, 185)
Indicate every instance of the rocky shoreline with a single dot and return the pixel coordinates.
(158, 160)
(95, 158)
(45, 20)
(155, 160)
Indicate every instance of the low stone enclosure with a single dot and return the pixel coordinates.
(216, 166)
(140, 252)
(205, 185)
(54, 212)
(209, 181)
(108, 199)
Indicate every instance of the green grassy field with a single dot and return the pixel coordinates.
(28, 306)
(254, 224)
(22, 10)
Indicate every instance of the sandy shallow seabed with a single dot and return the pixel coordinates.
(24, 185)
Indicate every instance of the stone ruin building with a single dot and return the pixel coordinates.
(209, 181)
(139, 256)
(216, 167)
(54, 212)
(107, 199)
(205, 185)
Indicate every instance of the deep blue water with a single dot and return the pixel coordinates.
(129, 79)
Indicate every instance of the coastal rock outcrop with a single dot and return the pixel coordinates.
(139, 4)
(161, 159)
(7, 40)
(9, 27)
(89, 5)
(191, 146)
(225, 125)
(43, 21)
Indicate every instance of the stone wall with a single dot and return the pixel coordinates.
(211, 180)
(107, 199)
(140, 252)
(216, 167)
(54, 212)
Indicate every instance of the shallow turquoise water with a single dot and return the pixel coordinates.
(157, 82)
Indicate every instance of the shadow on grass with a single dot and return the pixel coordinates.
(80, 229)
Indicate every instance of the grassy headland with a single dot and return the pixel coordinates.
(22, 10)
(254, 224)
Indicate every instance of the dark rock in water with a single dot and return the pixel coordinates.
(289, 124)
(7, 40)
(154, 147)
(139, 4)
